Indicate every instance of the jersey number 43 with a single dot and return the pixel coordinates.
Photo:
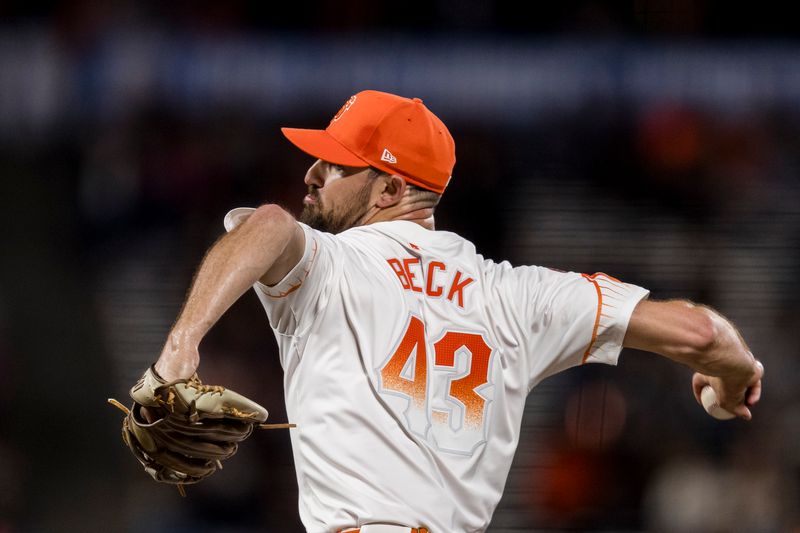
(445, 397)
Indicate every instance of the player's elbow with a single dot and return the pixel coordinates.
(271, 212)
(275, 219)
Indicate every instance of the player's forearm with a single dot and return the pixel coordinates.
(232, 265)
(693, 335)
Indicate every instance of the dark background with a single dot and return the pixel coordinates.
(656, 141)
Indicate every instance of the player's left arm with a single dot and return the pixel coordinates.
(702, 339)
(265, 247)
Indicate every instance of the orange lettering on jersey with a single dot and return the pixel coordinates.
(410, 269)
(458, 288)
(409, 274)
(429, 290)
(391, 374)
(400, 271)
(463, 389)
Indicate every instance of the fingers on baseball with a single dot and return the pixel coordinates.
(734, 404)
(742, 411)
(753, 393)
(698, 382)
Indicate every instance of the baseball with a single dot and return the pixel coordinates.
(709, 399)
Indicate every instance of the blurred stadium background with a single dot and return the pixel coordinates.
(657, 141)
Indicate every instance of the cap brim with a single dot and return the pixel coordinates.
(319, 144)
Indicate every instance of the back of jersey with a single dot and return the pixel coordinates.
(407, 361)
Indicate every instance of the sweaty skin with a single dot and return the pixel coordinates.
(265, 247)
(270, 242)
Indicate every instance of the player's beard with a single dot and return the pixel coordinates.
(336, 220)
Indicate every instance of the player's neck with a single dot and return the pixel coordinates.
(426, 222)
(411, 212)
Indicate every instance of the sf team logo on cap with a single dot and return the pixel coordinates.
(344, 108)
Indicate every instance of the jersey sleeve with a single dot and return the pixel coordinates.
(294, 302)
(564, 319)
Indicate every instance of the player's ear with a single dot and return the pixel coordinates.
(392, 188)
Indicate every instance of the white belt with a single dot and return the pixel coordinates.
(381, 528)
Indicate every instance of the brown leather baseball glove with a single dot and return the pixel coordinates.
(181, 431)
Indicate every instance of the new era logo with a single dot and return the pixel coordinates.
(388, 157)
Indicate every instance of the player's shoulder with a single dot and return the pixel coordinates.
(407, 230)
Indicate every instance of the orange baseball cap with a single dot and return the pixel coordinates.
(394, 134)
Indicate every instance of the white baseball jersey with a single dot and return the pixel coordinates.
(407, 360)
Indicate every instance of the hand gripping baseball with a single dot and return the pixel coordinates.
(180, 431)
(726, 398)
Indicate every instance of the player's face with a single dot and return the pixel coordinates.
(338, 197)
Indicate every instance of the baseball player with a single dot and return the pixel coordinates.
(407, 356)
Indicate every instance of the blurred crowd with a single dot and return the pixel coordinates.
(82, 19)
(107, 214)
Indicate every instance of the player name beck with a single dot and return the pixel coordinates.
(433, 279)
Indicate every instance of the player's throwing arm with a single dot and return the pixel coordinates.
(705, 341)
